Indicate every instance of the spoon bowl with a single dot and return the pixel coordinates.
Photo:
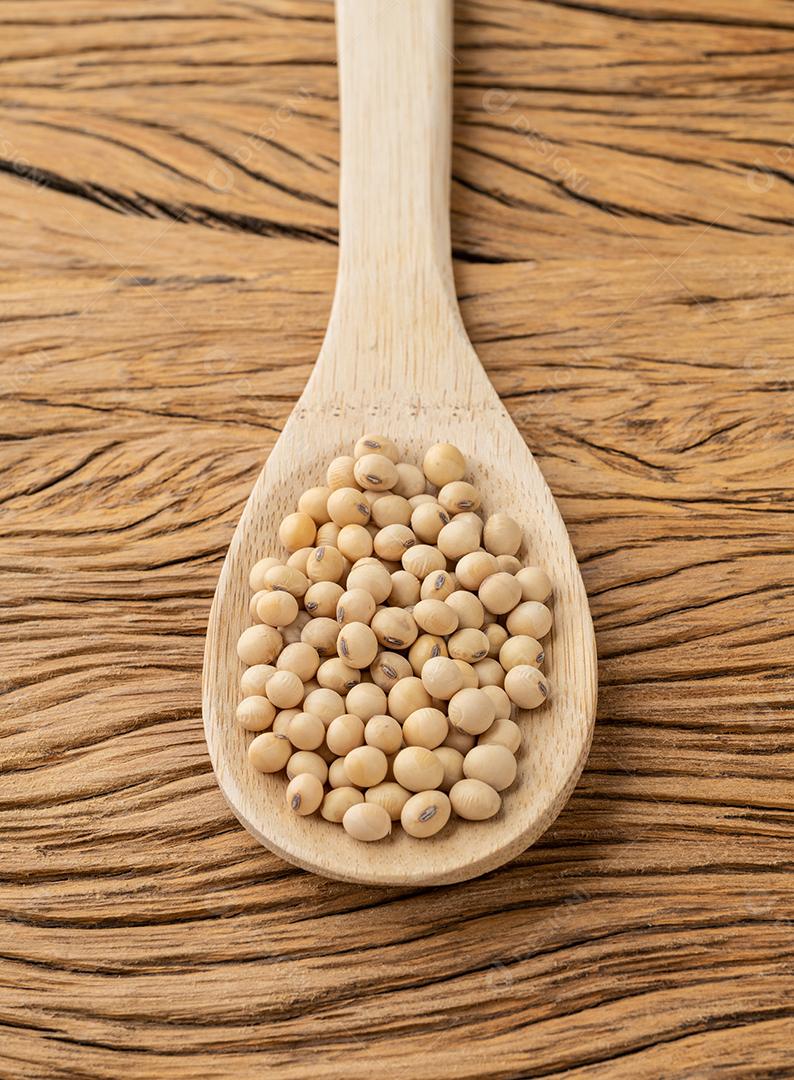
(396, 360)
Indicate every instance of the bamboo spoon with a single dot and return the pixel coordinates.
(396, 359)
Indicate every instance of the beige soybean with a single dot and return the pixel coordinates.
(423, 559)
(256, 578)
(354, 542)
(502, 732)
(388, 669)
(297, 531)
(521, 649)
(344, 734)
(284, 689)
(435, 617)
(376, 472)
(418, 500)
(474, 800)
(508, 564)
(501, 535)
(325, 703)
(357, 645)
(327, 535)
(426, 647)
(355, 606)
(469, 675)
(410, 480)
(314, 502)
(282, 721)
(321, 599)
(335, 674)
(304, 794)
(489, 672)
(339, 473)
(254, 679)
(269, 752)
(253, 602)
(426, 727)
(365, 766)
(307, 761)
(292, 633)
(438, 586)
(441, 677)
(346, 506)
(406, 696)
(337, 777)
(497, 636)
(376, 444)
(452, 763)
(427, 521)
(384, 733)
(298, 559)
(526, 686)
(277, 608)
(337, 802)
(287, 579)
(306, 731)
(418, 769)
(494, 764)
(535, 584)
(499, 593)
(325, 564)
(373, 578)
(405, 589)
(459, 497)
(426, 813)
(469, 645)
(530, 617)
(468, 608)
(443, 464)
(372, 497)
(457, 539)
(471, 711)
(366, 700)
(394, 628)
(391, 510)
(390, 795)
(322, 635)
(392, 542)
(474, 568)
(503, 706)
(460, 741)
(255, 713)
(367, 821)
(259, 644)
(472, 519)
(300, 658)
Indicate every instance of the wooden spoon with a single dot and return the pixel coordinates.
(396, 360)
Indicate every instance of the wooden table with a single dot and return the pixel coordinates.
(623, 199)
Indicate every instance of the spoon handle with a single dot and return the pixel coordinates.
(395, 60)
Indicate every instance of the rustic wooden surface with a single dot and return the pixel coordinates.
(623, 200)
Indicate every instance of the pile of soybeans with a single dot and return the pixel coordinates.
(389, 648)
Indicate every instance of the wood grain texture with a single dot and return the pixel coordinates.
(622, 212)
